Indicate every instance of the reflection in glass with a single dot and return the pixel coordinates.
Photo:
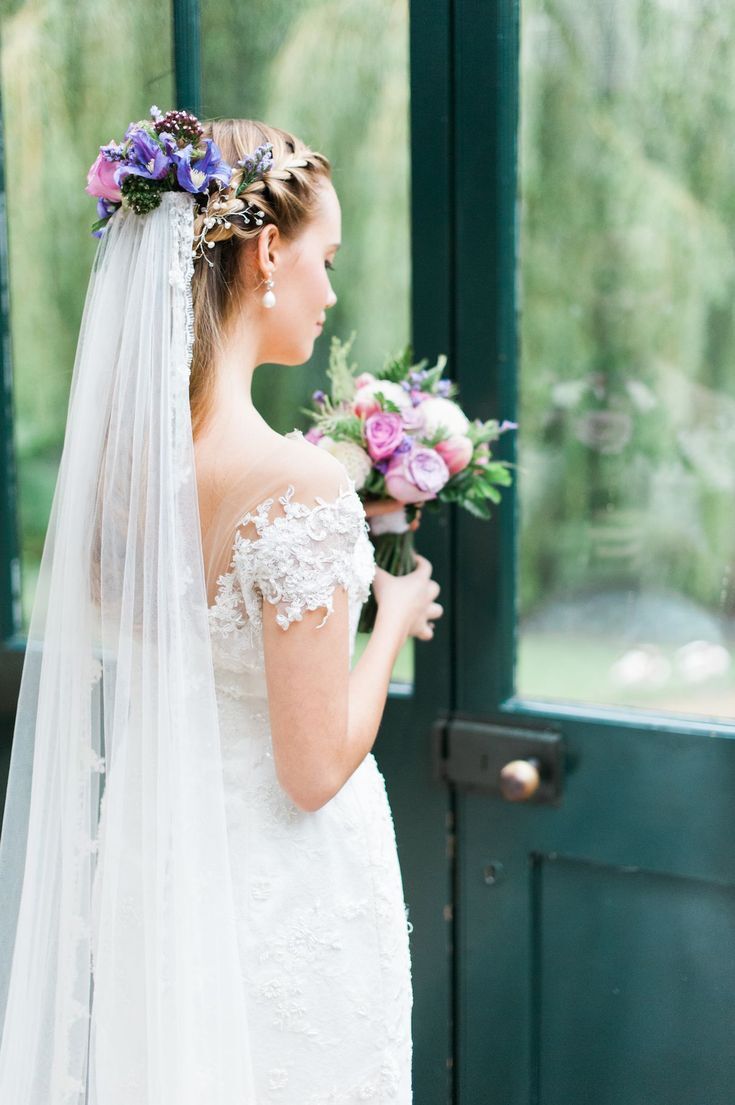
(68, 86)
(336, 75)
(627, 336)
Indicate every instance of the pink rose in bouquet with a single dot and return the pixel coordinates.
(405, 442)
(456, 452)
(383, 434)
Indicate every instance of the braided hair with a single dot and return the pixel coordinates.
(286, 195)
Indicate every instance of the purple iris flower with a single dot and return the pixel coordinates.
(170, 145)
(405, 445)
(442, 388)
(194, 176)
(145, 158)
(104, 208)
(382, 465)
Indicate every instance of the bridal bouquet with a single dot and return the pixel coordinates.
(407, 444)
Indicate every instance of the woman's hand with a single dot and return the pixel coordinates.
(410, 598)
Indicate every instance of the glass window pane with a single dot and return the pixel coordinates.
(627, 420)
(289, 64)
(72, 79)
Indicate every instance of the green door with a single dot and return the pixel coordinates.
(589, 746)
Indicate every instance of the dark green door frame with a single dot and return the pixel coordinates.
(593, 938)
(423, 806)
(187, 55)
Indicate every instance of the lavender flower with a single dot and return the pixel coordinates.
(318, 396)
(255, 165)
(259, 162)
(113, 151)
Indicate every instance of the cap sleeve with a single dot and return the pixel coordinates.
(296, 559)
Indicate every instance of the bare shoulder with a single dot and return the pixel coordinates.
(312, 471)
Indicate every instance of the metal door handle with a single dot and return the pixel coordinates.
(503, 760)
(519, 779)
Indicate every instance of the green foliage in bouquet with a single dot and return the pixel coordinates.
(445, 454)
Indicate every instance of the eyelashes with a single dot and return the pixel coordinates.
(329, 265)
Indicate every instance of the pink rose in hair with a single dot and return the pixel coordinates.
(313, 434)
(384, 432)
(455, 451)
(101, 179)
(416, 475)
(364, 379)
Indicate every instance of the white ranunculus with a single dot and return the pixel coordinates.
(436, 412)
(354, 458)
(390, 390)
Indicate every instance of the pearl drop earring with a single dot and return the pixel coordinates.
(269, 300)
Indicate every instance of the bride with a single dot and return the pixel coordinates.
(202, 899)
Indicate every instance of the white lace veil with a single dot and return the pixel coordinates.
(120, 978)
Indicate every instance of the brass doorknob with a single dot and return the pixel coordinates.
(519, 779)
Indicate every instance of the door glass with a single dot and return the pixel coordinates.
(289, 64)
(627, 340)
(71, 80)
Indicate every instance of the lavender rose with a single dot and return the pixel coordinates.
(383, 432)
(416, 475)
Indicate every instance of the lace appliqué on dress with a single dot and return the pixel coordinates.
(294, 560)
(302, 555)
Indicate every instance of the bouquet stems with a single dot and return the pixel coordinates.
(394, 551)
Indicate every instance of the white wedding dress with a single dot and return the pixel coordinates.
(323, 927)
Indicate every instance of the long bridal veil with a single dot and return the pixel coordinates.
(120, 978)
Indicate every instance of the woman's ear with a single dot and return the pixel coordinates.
(268, 249)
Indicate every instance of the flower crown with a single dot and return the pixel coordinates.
(166, 154)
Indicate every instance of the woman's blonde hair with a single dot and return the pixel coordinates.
(287, 197)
